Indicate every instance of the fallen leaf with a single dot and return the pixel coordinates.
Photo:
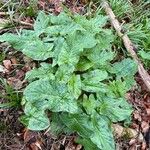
(14, 61)
(7, 64)
(118, 130)
(3, 23)
(144, 126)
(2, 69)
(15, 83)
(38, 144)
(148, 111)
(19, 74)
(137, 116)
(133, 147)
(79, 147)
(132, 141)
(28, 135)
(33, 146)
(143, 146)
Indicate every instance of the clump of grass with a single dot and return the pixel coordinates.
(140, 12)
(121, 8)
(12, 96)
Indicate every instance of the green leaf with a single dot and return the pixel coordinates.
(83, 64)
(41, 23)
(99, 20)
(100, 57)
(95, 129)
(95, 76)
(79, 123)
(64, 72)
(18, 41)
(94, 87)
(29, 44)
(83, 40)
(102, 135)
(38, 50)
(127, 67)
(74, 85)
(89, 25)
(145, 55)
(71, 28)
(45, 71)
(118, 88)
(90, 104)
(60, 45)
(35, 117)
(38, 122)
(115, 109)
(104, 39)
(88, 145)
(63, 29)
(56, 126)
(53, 30)
(51, 95)
(67, 56)
(62, 19)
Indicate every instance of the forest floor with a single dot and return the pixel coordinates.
(13, 135)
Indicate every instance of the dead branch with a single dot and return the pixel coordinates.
(3, 22)
(127, 43)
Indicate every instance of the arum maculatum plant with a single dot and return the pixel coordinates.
(82, 90)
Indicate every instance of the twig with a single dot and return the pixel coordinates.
(23, 23)
(3, 13)
(5, 21)
(127, 43)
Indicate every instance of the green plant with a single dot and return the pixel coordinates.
(140, 11)
(81, 88)
(12, 97)
(138, 29)
(140, 35)
(121, 8)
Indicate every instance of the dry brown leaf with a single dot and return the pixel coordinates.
(33, 146)
(133, 147)
(143, 146)
(148, 111)
(14, 61)
(38, 144)
(3, 23)
(132, 141)
(137, 116)
(28, 135)
(3, 69)
(120, 131)
(19, 74)
(7, 64)
(144, 126)
(79, 147)
(15, 83)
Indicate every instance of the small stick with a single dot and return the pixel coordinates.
(4, 21)
(127, 43)
(3, 13)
